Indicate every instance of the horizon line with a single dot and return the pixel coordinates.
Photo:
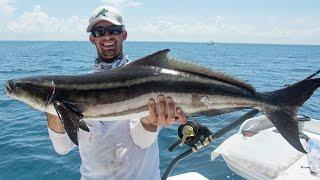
(196, 42)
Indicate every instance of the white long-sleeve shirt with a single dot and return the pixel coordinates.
(113, 149)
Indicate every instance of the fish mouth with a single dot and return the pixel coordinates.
(8, 88)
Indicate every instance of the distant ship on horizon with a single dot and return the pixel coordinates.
(210, 43)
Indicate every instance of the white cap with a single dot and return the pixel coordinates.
(105, 13)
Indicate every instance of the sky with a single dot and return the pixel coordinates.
(227, 21)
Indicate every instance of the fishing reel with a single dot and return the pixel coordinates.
(193, 134)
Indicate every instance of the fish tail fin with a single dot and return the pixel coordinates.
(288, 101)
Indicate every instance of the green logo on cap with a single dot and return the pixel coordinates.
(102, 13)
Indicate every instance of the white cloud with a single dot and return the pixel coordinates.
(38, 24)
(181, 30)
(228, 29)
(122, 3)
(6, 8)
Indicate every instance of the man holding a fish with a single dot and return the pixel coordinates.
(116, 149)
(101, 112)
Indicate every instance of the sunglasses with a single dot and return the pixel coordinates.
(112, 30)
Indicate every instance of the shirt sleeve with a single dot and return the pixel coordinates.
(142, 137)
(62, 144)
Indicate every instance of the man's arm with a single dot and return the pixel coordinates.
(59, 138)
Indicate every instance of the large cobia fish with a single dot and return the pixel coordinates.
(122, 93)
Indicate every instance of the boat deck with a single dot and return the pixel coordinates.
(266, 154)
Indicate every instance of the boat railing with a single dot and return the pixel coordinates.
(255, 125)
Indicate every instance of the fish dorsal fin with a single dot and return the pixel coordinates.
(193, 68)
(161, 59)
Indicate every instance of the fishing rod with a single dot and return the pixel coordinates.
(197, 137)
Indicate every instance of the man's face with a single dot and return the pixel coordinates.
(108, 46)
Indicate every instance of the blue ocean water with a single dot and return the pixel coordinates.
(25, 148)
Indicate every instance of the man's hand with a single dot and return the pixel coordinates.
(55, 124)
(162, 113)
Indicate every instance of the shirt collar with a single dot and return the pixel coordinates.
(101, 66)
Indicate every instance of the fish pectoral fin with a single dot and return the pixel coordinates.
(72, 107)
(83, 126)
(71, 121)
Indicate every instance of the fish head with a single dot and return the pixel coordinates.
(35, 92)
